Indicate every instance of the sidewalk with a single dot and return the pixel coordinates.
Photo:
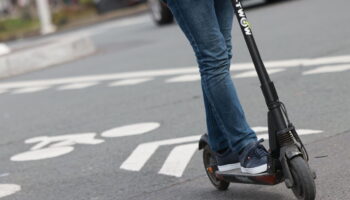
(44, 54)
(40, 52)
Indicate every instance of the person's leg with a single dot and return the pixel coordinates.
(198, 20)
(225, 15)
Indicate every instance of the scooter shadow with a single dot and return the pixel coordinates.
(242, 193)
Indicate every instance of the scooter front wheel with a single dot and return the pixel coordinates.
(209, 162)
(304, 184)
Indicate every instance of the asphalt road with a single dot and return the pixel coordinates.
(123, 123)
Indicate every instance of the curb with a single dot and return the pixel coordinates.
(112, 15)
(39, 57)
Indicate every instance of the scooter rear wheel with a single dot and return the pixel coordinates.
(304, 184)
(209, 161)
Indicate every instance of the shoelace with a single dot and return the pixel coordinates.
(260, 149)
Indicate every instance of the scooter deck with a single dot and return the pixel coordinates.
(237, 176)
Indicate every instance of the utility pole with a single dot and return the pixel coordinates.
(45, 17)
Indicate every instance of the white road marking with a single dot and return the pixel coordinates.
(178, 159)
(175, 71)
(253, 73)
(76, 86)
(134, 81)
(4, 49)
(129, 130)
(326, 60)
(143, 152)
(60, 145)
(3, 91)
(180, 156)
(184, 78)
(299, 131)
(259, 129)
(29, 90)
(4, 174)
(8, 189)
(328, 69)
(42, 154)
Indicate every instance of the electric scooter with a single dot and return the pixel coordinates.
(288, 158)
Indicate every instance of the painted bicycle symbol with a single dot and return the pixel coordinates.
(54, 146)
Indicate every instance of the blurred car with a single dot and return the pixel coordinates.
(161, 14)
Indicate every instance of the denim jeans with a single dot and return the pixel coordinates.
(207, 25)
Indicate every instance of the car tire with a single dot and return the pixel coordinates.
(272, 1)
(160, 12)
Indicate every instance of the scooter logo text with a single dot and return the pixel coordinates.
(243, 19)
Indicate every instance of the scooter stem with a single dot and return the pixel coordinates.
(276, 117)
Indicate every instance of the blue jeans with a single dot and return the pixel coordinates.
(207, 25)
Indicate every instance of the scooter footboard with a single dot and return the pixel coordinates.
(237, 176)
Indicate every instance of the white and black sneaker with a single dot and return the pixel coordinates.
(253, 159)
(228, 160)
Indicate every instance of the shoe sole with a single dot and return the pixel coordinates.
(255, 170)
(228, 167)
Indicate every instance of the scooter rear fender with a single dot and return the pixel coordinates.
(204, 141)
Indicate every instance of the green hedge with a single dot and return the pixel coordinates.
(15, 28)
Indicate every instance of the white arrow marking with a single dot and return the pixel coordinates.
(184, 78)
(77, 86)
(253, 73)
(181, 154)
(29, 90)
(178, 160)
(8, 189)
(134, 81)
(328, 69)
(133, 129)
(143, 152)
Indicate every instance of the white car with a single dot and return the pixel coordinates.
(162, 15)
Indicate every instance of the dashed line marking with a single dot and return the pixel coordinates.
(252, 73)
(184, 78)
(29, 90)
(125, 82)
(176, 71)
(184, 74)
(328, 69)
(76, 86)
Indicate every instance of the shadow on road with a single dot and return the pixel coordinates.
(242, 193)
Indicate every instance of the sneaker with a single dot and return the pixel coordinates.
(228, 160)
(253, 159)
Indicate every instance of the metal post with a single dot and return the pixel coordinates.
(45, 17)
